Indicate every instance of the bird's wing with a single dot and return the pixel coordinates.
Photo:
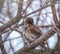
(35, 29)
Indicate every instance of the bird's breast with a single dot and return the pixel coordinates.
(30, 36)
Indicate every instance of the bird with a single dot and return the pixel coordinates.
(31, 32)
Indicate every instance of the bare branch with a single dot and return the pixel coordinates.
(54, 12)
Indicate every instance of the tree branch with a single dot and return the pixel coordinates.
(39, 41)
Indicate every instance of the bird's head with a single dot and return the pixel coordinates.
(28, 21)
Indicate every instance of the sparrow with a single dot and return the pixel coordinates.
(31, 32)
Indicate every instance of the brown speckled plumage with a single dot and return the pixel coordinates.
(31, 32)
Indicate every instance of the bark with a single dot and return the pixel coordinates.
(1, 41)
(1, 4)
(54, 12)
(2, 45)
